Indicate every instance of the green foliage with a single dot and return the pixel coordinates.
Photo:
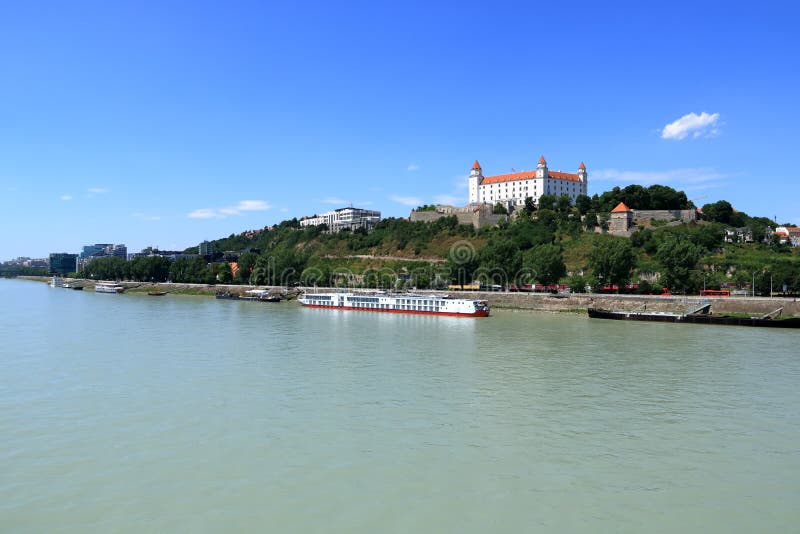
(655, 197)
(426, 207)
(546, 262)
(499, 209)
(678, 257)
(720, 211)
(10, 271)
(539, 241)
(612, 261)
(584, 204)
(246, 263)
(577, 283)
(530, 205)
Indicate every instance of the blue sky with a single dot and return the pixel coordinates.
(166, 123)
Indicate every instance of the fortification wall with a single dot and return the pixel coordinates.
(665, 215)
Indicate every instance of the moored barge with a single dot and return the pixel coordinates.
(701, 315)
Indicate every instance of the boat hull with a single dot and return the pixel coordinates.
(727, 320)
(478, 313)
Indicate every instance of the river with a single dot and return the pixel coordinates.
(130, 413)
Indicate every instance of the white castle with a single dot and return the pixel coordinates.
(512, 189)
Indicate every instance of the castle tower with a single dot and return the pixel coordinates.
(475, 179)
(541, 168)
(583, 176)
(621, 219)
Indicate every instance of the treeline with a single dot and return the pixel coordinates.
(8, 271)
(544, 244)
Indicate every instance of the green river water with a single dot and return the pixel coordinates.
(129, 413)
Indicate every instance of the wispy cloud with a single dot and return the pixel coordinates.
(702, 125)
(97, 190)
(66, 197)
(450, 200)
(688, 178)
(413, 167)
(147, 217)
(407, 201)
(238, 209)
(284, 210)
(340, 202)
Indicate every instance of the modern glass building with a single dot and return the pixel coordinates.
(63, 263)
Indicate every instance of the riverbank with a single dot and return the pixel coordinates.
(577, 303)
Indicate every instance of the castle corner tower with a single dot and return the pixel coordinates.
(475, 179)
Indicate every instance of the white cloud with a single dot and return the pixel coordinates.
(66, 197)
(284, 210)
(450, 200)
(204, 213)
(407, 201)
(221, 213)
(333, 200)
(703, 125)
(413, 167)
(691, 178)
(97, 190)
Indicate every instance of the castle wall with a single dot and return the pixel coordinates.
(665, 215)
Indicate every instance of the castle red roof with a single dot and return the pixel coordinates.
(529, 175)
(542, 161)
(476, 165)
(558, 175)
(621, 208)
(582, 166)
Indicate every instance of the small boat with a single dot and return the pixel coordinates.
(73, 286)
(226, 295)
(701, 315)
(108, 287)
(261, 295)
(56, 281)
(156, 293)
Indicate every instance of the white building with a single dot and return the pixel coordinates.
(339, 219)
(512, 189)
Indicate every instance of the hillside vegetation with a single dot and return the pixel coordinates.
(553, 244)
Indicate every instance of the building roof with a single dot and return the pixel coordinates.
(621, 208)
(582, 166)
(476, 165)
(563, 176)
(542, 161)
(528, 175)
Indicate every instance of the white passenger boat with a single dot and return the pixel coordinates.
(108, 287)
(384, 302)
(56, 281)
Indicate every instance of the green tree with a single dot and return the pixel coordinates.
(499, 209)
(584, 204)
(225, 274)
(245, 264)
(612, 261)
(546, 262)
(720, 211)
(678, 257)
(547, 202)
(530, 205)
